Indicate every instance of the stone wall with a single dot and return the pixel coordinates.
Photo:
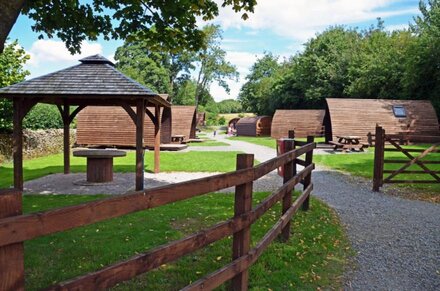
(36, 143)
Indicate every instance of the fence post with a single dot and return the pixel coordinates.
(379, 147)
(289, 144)
(242, 239)
(308, 178)
(291, 134)
(11, 256)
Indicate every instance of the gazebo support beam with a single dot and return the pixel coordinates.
(21, 108)
(18, 143)
(157, 140)
(140, 116)
(65, 115)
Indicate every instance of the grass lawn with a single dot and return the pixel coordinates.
(267, 140)
(313, 258)
(207, 143)
(362, 165)
(170, 162)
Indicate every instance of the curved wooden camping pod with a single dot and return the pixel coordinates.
(112, 126)
(184, 121)
(304, 122)
(254, 126)
(360, 116)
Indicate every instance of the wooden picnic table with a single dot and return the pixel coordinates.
(178, 138)
(99, 163)
(349, 143)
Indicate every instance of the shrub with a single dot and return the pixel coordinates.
(43, 116)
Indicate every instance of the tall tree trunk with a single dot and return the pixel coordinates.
(9, 11)
(197, 94)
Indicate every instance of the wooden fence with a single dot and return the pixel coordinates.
(16, 228)
(394, 140)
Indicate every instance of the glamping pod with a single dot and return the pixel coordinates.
(112, 126)
(254, 126)
(184, 120)
(360, 116)
(304, 122)
(232, 124)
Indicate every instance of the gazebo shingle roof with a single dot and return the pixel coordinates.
(95, 76)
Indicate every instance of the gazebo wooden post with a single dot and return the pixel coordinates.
(140, 116)
(157, 139)
(66, 135)
(18, 143)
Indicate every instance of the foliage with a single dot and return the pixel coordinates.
(43, 116)
(348, 63)
(12, 60)
(212, 64)
(229, 106)
(255, 93)
(159, 71)
(222, 120)
(161, 23)
(313, 258)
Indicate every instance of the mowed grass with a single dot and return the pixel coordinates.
(361, 164)
(313, 258)
(207, 143)
(267, 140)
(170, 162)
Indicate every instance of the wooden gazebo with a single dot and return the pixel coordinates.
(94, 82)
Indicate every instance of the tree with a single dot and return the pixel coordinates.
(229, 106)
(175, 22)
(11, 71)
(158, 71)
(255, 94)
(212, 64)
(422, 76)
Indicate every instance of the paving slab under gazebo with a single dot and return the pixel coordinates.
(94, 82)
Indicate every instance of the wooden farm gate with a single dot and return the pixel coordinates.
(15, 228)
(394, 140)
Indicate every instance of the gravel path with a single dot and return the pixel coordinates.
(397, 241)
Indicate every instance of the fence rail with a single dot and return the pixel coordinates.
(18, 228)
(394, 141)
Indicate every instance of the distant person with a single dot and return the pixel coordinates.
(215, 133)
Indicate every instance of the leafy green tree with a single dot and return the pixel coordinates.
(422, 78)
(229, 106)
(157, 70)
(377, 69)
(212, 64)
(255, 94)
(11, 71)
(175, 22)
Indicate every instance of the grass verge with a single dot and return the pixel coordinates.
(193, 161)
(313, 258)
(267, 140)
(362, 165)
(207, 143)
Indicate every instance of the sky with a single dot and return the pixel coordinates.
(277, 26)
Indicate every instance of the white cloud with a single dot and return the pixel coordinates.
(243, 61)
(43, 52)
(301, 19)
(396, 27)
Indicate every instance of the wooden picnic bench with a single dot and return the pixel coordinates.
(99, 163)
(178, 138)
(348, 143)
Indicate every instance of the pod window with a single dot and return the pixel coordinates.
(399, 111)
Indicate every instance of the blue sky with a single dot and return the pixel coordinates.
(277, 26)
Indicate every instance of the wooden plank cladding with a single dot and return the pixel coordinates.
(304, 122)
(254, 126)
(184, 121)
(112, 126)
(360, 116)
